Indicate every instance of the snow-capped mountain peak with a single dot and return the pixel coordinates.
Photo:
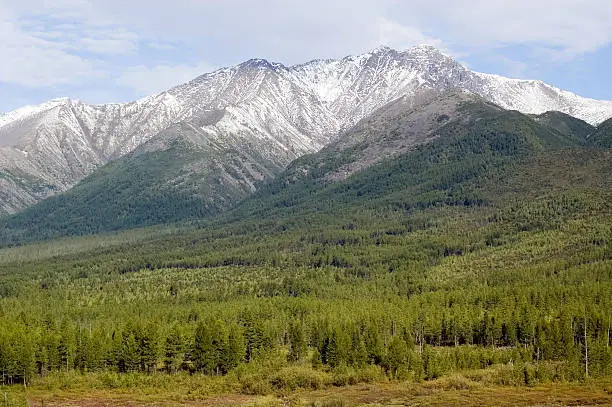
(262, 64)
(30, 110)
(279, 112)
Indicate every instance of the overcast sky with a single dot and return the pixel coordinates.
(119, 50)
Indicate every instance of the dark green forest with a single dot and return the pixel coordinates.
(488, 249)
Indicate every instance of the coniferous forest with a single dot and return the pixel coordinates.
(483, 259)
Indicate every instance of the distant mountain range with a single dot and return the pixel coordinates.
(211, 141)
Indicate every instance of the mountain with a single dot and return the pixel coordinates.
(439, 152)
(396, 128)
(422, 147)
(602, 135)
(177, 175)
(48, 148)
(465, 229)
(280, 112)
(567, 125)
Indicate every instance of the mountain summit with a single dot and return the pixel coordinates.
(266, 113)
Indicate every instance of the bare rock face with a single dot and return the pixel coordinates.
(263, 109)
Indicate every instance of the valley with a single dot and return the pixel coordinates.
(434, 249)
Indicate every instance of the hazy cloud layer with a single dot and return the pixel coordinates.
(137, 47)
(161, 77)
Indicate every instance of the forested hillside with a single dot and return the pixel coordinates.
(435, 151)
(568, 125)
(179, 181)
(485, 252)
(602, 136)
(462, 159)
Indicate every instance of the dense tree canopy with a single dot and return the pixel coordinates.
(480, 250)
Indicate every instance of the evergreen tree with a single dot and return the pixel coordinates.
(337, 348)
(174, 350)
(255, 338)
(373, 344)
(148, 347)
(25, 362)
(202, 350)
(65, 347)
(128, 358)
(234, 352)
(210, 348)
(358, 354)
(297, 342)
(397, 355)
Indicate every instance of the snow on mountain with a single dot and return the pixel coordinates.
(537, 97)
(281, 112)
(25, 111)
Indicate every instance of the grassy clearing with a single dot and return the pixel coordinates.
(459, 390)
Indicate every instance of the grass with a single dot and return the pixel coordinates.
(460, 389)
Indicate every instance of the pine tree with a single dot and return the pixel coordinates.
(256, 340)
(373, 344)
(174, 350)
(201, 350)
(128, 359)
(209, 347)
(81, 350)
(220, 347)
(358, 354)
(25, 362)
(337, 348)
(397, 355)
(297, 342)
(235, 350)
(65, 347)
(148, 347)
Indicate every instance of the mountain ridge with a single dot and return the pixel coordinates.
(430, 150)
(282, 112)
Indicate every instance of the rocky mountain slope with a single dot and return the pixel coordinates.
(272, 112)
(426, 143)
(416, 154)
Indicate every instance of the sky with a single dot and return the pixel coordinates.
(103, 51)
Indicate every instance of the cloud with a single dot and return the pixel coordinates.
(400, 36)
(147, 45)
(230, 31)
(107, 42)
(78, 37)
(572, 27)
(33, 61)
(160, 46)
(294, 29)
(39, 67)
(161, 77)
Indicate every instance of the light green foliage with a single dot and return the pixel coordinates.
(174, 350)
(484, 250)
(397, 355)
(297, 342)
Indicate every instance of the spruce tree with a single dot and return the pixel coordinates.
(234, 352)
(397, 355)
(174, 350)
(297, 342)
